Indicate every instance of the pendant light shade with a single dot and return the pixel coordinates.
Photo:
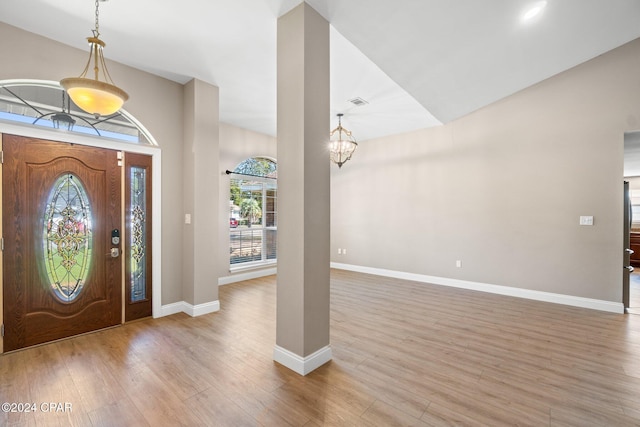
(342, 144)
(93, 95)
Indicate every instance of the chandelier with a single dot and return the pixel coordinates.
(95, 96)
(341, 144)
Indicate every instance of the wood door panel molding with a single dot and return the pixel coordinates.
(38, 174)
(33, 312)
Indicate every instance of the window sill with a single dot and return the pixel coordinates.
(242, 268)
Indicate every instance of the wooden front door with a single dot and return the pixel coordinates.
(62, 270)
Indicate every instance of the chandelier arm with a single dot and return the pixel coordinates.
(96, 61)
(107, 76)
(83, 75)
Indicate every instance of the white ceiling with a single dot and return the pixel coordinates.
(418, 63)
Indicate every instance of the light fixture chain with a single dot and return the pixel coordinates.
(97, 31)
(100, 98)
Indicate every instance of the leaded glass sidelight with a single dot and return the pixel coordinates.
(67, 240)
(138, 278)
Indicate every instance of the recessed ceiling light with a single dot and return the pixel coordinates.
(534, 11)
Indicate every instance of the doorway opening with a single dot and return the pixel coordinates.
(631, 282)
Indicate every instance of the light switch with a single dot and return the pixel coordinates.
(586, 220)
(187, 218)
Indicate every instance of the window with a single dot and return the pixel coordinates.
(253, 218)
(39, 103)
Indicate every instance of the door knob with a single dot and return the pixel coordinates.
(115, 252)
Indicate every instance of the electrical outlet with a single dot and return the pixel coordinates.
(339, 251)
(458, 263)
(586, 220)
(344, 252)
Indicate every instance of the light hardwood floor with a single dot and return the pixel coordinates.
(404, 353)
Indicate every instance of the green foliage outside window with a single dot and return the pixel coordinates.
(252, 196)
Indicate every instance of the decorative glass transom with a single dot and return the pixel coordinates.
(67, 237)
(44, 103)
(138, 279)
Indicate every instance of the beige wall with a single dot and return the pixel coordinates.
(502, 189)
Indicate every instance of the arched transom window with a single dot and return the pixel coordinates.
(44, 103)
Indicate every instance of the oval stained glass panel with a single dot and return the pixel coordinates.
(67, 241)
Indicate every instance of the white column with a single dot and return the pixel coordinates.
(302, 337)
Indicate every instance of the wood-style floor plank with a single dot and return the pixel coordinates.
(404, 354)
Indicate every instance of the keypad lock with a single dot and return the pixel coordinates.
(115, 241)
(115, 236)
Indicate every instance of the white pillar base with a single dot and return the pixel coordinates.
(302, 365)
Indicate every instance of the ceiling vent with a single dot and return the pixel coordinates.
(358, 102)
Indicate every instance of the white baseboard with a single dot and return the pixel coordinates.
(302, 365)
(169, 309)
(239, 277)
(200, 309)
(191, 310)
(594, 304)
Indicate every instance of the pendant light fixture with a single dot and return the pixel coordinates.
(63, 119)
(341, 144)
(95, 96)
